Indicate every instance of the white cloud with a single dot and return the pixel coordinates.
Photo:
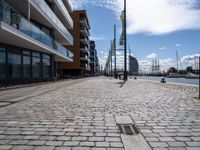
(152, 55)
(190, 60)
(165, 64)
(178, 45)
(152, 16)
(163, 48)
(98, 38)
(102, 52)
(102, 61)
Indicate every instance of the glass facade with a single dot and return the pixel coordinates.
(47, 10)
(17, 64)
(46, 65)
(6, 11)
(26, 64)
(36, 65)
(14, 65)
(2, 63)
(42, 34)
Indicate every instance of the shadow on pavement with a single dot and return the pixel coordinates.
(121, 83)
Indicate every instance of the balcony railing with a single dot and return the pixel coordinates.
(11, 17)
(85, 31)
(84, 40)
(84, 22)
(51, 15)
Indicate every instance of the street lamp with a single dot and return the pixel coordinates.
(125, 44)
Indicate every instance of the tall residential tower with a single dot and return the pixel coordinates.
(81, 47)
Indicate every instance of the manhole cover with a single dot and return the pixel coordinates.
(129, 129)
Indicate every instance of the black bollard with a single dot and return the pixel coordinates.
(163, 80)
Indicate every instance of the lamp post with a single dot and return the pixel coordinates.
(199, 77)
(125, 44)
(115, 51)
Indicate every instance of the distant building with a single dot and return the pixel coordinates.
(133, 66)
(94, 61)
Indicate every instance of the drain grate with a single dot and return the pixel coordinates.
(128, 129)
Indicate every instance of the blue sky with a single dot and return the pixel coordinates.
(156, 29)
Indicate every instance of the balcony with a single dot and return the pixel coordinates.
(85, 58)
(46, 10)
(84, 40)
(68, 5)
(84, 65)
(84, 31)
(64, 14)
(21, 32)
(84, 22)
(85, 50)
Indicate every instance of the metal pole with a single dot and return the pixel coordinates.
(111, 59)
(109, 65)
(115, 50)
(125, 44)
(94, 67)
(177, 61)
(199, 77)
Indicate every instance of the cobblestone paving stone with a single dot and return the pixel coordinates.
(82, 117)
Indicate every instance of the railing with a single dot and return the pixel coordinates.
(84, 58)
(14, 19)
(83, 20)
(51, 15)
(85, 48)
(84, 39)
(85, 65)
(85, 30)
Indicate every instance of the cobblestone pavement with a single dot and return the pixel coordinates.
(82, 116)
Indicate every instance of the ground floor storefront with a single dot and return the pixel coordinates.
(21, 65)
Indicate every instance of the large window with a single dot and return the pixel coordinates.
(14, 65)
(46, 65)
(26, 64)
(2, 63)
(36, 65)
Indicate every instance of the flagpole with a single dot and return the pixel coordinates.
(125, 44)
(111, 58)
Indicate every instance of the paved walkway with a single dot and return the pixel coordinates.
(82, 116)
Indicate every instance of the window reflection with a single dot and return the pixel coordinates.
(2, 63)
(14, 65)
(46, 66)
(26, 64)
(36, 65)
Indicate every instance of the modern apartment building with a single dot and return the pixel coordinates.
(33, 39)
(81, 33)
(94, 61)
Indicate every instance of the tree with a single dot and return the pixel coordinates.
(172, 70)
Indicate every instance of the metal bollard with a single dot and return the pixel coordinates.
(163, 80)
